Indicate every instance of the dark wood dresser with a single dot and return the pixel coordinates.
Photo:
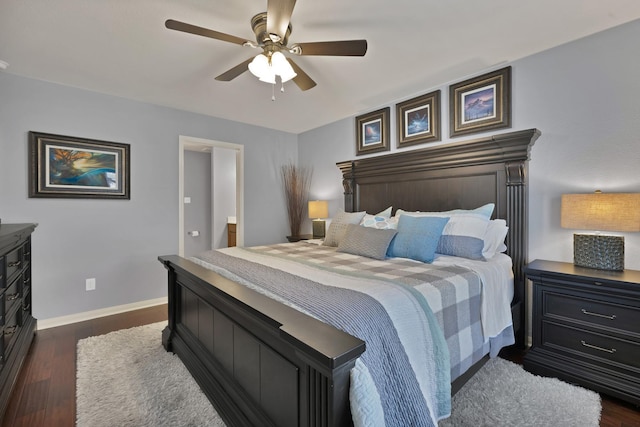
(586, 327)
(16, 322)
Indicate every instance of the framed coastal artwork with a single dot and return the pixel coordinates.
(70, 167)
(372, 132)
(480, 103)
(418, 119)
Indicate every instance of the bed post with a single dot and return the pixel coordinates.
(347, 184)
(173, 297)
(517, 239)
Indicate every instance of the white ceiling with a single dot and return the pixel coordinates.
(121, 47)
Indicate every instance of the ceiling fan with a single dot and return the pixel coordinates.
(272, 30)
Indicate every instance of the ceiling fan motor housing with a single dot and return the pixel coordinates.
(259, 26)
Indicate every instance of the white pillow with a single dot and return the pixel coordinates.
(338, 226)
(371, 220)
(494, 238)
(463, 235)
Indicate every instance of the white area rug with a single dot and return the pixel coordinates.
(127, 379)
(502, 393)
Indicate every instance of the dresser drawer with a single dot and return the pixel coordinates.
(26, 281)
(13, 263)
(11, 330)
(601, 347)
(624, 318)
(3, 273)
(12, 295)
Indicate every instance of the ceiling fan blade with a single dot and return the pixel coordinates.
(337, 48)
(302, 80)
(234, 72)
(192, 29)
(279, 15)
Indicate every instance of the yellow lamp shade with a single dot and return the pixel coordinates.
(318, 209)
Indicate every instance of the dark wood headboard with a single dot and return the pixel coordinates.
(462, 175)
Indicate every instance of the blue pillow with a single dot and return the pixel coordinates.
(417, 237)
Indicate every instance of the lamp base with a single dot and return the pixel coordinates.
(318, 228)
(598, 251)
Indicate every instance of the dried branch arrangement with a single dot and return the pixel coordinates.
(296, 181)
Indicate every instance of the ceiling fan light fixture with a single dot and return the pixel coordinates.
(282, 67)
(266, 68)
(268, 77)
(259, 66)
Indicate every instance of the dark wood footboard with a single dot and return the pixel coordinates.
(259, 362)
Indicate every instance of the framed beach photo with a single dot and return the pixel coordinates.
(372, 132)
(480, 103)
(418, 119)
(70, 167)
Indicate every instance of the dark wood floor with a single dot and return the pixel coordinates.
(44, 395)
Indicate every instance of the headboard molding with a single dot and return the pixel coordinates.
(463, 175)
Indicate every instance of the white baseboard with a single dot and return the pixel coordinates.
(94, 314)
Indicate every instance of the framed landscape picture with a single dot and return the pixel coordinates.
(70, 167)
(372, 132)
(418, 119)
(480, 103)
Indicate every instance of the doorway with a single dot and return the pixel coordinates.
(219, 153)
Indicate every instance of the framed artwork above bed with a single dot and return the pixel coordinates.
(418, 119)
(372, 132)
(480, 103)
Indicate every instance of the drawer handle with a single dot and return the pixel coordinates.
(10, 330)
(26, 307)
(589, 313)
(15, 264)
(608, 350)
(12, 297)
(27, 280)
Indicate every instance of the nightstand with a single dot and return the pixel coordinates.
(299, 238)
(586, 327)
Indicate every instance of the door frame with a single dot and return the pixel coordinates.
(189, 143)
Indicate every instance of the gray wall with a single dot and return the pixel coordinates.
(198, 213)
(117, 241)
(583, 96)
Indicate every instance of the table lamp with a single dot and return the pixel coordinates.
(318, 209)
(602, 212)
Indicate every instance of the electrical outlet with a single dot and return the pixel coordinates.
(91, 284)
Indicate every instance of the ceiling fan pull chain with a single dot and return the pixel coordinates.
(273, 92)
(282, 86)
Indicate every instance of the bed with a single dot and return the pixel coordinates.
(262, 362)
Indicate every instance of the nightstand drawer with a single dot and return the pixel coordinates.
(611, 315)
(604, 348)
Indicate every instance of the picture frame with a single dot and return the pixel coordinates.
(480, 103)
(372, 132)
(70, 167)
(418, 119)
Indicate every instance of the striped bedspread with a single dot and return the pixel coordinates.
(404, 311)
